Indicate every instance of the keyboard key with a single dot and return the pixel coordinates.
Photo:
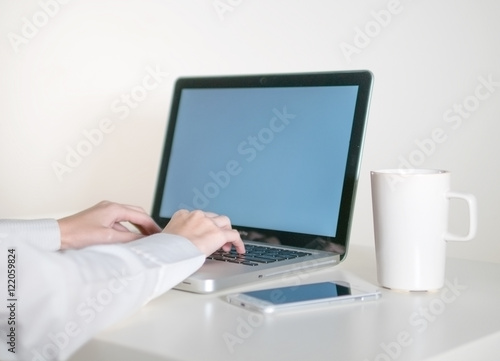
(256, 254)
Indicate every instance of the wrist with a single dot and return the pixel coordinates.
(64, 233)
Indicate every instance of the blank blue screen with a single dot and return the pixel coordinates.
(271, 158)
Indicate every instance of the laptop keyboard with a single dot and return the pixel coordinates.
(256, 255)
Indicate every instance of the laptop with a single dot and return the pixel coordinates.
(278, 154)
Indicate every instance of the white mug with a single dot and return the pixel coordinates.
(410, 215)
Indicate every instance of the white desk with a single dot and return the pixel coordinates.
(459, 322)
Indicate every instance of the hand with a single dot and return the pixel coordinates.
(101, 224)
(207, 231)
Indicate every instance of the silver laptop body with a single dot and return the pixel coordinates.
(279, 154)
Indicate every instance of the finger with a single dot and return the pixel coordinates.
(222, 221)
(180, 213)
(141, 220)
(132, 207)
(107, 205)
(132, 214)
(211, 214)
(120, 227)
(152, 228)
(233, 239)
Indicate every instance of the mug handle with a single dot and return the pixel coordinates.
(472, 203)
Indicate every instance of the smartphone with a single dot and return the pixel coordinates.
(291, 297)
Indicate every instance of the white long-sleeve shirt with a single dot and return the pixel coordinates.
(52, 302)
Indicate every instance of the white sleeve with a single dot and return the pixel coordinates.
(40, 233)
(62, 299)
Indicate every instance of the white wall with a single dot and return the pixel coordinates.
(66, 67)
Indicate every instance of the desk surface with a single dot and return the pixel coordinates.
(459, 322)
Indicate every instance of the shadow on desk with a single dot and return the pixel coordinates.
(104, 351)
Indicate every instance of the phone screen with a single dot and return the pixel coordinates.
(300, 293)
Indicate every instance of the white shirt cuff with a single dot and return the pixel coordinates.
(43, 234)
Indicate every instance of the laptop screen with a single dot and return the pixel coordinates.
(273, 158)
